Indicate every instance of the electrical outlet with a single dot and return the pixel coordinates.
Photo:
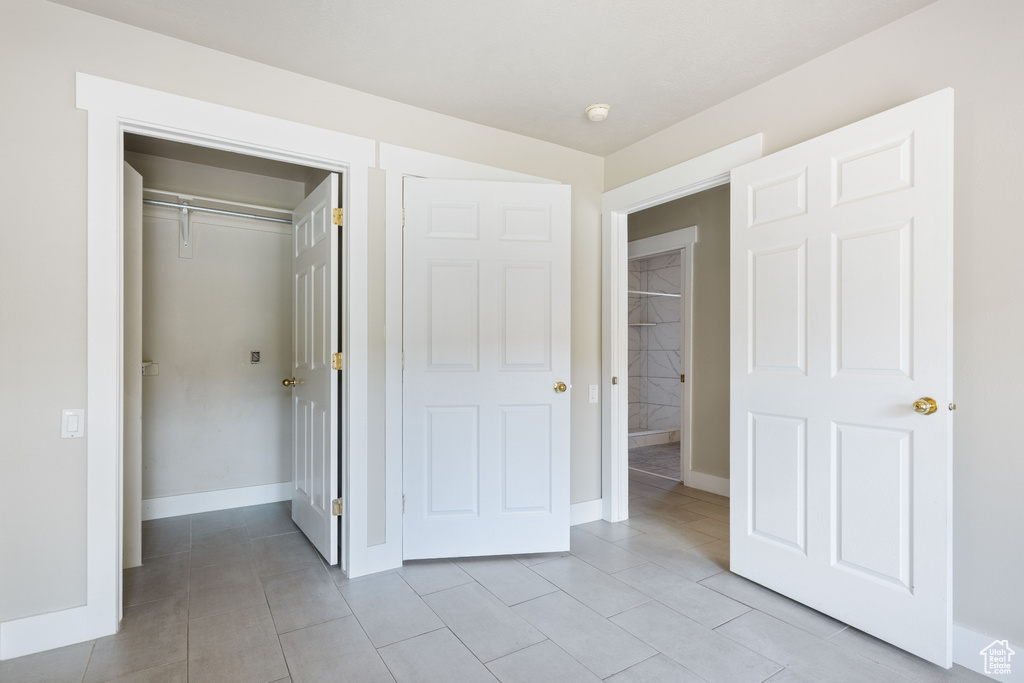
(594, 393)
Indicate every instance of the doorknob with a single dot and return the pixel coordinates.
(925, 406)
(560, 387)
(289, 382)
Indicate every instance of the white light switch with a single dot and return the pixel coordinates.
(594, 395)
(72, 423)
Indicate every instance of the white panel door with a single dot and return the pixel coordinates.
(841, 320)
(486, 341)
(315, 338)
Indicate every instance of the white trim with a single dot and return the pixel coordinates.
(399, 162)
(706, 482)
(697, 174)
(114, 108)
(967, 647)
(659, 244)
(45, 632)
(587, 511)
(207, 501)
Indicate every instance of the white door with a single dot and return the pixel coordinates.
(486, 342)
(841, 320)
(315, 339)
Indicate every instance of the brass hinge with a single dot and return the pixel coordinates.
(682, 378)
(403, 216)
(337, 361)
(338, 216)
(615, 380)
(336, 507)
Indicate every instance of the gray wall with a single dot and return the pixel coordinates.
(709, 374)
(976, 49)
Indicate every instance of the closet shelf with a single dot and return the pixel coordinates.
(676, 296)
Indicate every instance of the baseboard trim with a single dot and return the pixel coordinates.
(207, 501)
(967, 647)
(707, 482)
(588, 511)
(30, 635)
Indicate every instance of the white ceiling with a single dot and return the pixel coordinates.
(527, 66)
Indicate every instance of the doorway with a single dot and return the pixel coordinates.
(208, 298)
(678, 331)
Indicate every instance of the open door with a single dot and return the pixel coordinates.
(314, 383)
(841, 366)
(486, 345)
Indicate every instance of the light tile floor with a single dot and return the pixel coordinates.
(661, 459)
(240, 595)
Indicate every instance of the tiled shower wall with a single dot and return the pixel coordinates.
(654, 351)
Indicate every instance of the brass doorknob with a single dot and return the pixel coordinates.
(289, 382)
(560, 387)
(925, 405)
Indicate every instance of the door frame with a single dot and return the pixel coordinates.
(689, 177)
(398, 162)
(114, 108)
(683, 241)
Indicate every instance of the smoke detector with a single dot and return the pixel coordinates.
(598, 112)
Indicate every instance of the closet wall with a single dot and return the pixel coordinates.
(213, 419)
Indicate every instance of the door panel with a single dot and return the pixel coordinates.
(841, 305)
(486, 337)
(315, 329)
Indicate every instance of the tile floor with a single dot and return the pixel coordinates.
(661, 459)
(240, 595)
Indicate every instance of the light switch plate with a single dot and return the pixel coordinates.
(72, 423)
(594, 393)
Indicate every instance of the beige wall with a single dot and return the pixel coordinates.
(709, 373)
(43, 263)
(976, 48)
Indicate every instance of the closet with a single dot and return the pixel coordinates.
(209, 338)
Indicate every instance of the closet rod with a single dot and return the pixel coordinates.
(220, 212)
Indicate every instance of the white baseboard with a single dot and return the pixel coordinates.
(967, 647)
(207, 501)
(30, 635)
(589, 511)
(707, 482)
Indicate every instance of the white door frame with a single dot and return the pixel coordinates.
(700, 173)
(399, 162)
(113, 109)
(683, 241)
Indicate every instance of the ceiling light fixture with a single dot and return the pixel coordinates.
(598, 112)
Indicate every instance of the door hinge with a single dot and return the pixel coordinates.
(403, 503)
(403, 216)
(336, 507)
(615, 380)
(682, 378)
(338, 216)
(337, 361)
